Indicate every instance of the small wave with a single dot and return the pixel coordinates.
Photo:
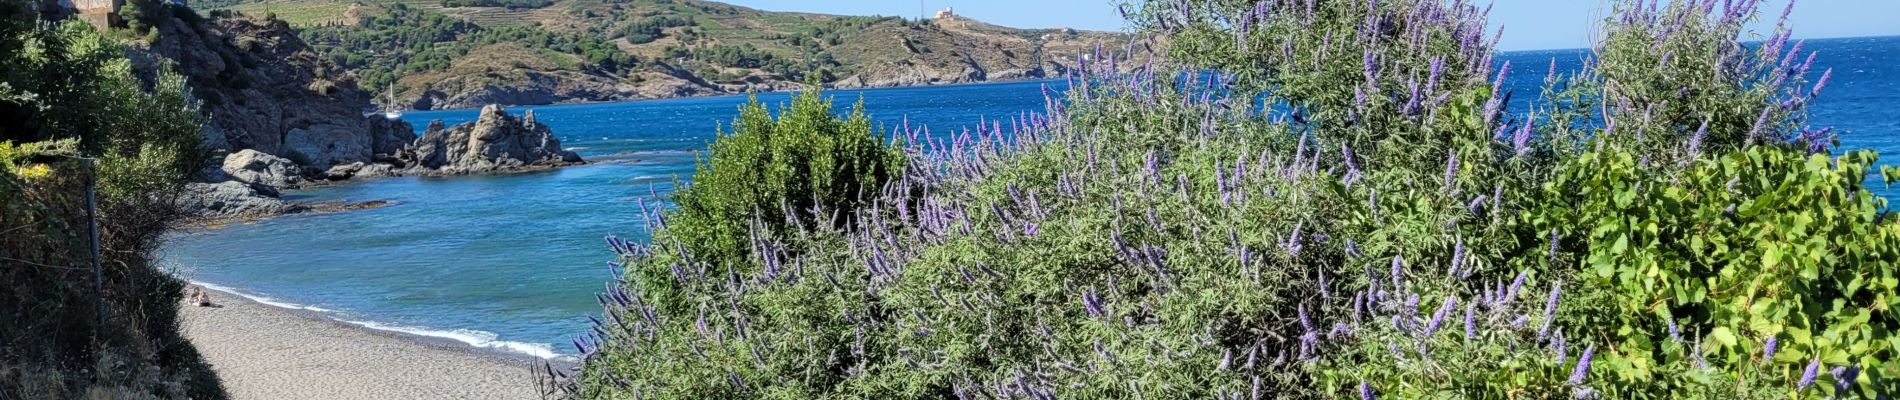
(578, 148)
(261, 299)
(482, 339)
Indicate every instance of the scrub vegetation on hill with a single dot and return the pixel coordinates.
(1306, 200)
(69, 93)
(441, 54)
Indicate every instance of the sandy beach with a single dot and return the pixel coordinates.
(265, 352)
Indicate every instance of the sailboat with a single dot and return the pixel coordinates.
(390, 110)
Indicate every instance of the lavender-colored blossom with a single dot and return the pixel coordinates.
(1093, 303)
(1844, 378)
(1808, 374)
(1560, 348)
(1821, 83)
(1516, 285)
(1365, 391)
(1438, 317)
(1458, 255)
(1768, 349)
(1471, 320)
(1497, 86)
(1583, 393)
(1553, 244)
(1675, 332)
(1520, 141)
(1398, 271)
(1583, 366)
(1550, 309)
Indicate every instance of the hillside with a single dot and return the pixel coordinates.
(550, 51)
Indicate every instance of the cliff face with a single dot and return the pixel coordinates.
(263, 89)
(494, 142)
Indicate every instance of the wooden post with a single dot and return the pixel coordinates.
(92, 228)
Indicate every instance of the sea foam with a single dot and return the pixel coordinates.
(474, 338)
(261, 299)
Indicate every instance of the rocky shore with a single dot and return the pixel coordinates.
(248, 183)
(280, 116)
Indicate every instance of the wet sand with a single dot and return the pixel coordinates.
(265, 352)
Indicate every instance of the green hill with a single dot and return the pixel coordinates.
(464, 53)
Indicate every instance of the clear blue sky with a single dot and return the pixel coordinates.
(1528, 24)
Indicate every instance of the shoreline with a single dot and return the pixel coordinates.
(283, 351)
(724, 95)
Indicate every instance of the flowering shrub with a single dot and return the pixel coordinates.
(771, 174)
(1326, 200)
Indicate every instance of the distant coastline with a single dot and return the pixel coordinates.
(828, 89)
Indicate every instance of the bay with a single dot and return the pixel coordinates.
(513, 261)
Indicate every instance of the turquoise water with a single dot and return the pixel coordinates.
(513, 261)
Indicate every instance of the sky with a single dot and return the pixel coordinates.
(1528, 24)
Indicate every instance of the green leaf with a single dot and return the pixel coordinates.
(1722, 336)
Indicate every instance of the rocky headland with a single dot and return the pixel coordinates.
(280, 116)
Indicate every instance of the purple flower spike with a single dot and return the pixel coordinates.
(1550, 309)
(1365, 391)
(1521, 140)
(1808, 375)
(1583, 366)
(1498, 85)
(1844, 378)
(1695, 142)
(1471, 320)
(1438, 317)
(1458, 252)
(1768, 349)
(1821, 83)
(1398, 270)
(1553, 245)
(1093, 303)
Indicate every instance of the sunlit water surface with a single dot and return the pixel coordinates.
(512, 262)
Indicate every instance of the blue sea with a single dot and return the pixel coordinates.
(512, 262)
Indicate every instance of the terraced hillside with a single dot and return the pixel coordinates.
(427, 54)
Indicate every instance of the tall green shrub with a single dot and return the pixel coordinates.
(806, 167)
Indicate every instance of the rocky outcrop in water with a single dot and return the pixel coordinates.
(256, 168)
(494, 142)
(233, 199)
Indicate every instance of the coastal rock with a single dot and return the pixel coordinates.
(496, 141)
(263, 88)
(360, 170)
(255, 167)
(232, 199)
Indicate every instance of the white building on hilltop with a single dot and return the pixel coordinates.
(946, 13)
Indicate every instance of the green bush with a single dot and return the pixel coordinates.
(68, 335)
(767, 174)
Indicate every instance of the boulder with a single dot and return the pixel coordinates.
(359, 170)
(255, 167)
(496, 141)
(231, 199)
